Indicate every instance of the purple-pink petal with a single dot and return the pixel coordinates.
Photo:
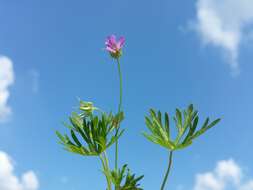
(111, 39)
(108, 48)
(121, 41)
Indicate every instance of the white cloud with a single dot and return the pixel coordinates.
(207, 181)
(247, 186)
(224, 24)
(229, 170)
(9, 181)
(6, 80)
(30, 181)
(227, 175)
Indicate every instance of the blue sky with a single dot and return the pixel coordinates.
(170, 60)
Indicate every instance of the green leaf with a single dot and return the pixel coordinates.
(60, 136)
(205, 128)
(85, 138)
(159, 116)
(152, 113)
(96, 131)
(190, 108)
(75, 138)
(214, 123)
(157, 140)
(179, 118)
(154, 139)
(160, 132)
(75, 149)
(183, 145)
(167, 124)
(192, 129)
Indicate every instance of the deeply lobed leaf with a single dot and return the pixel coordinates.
(91, 135)
(186, 122)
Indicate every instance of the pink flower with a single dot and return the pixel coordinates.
(113, 46)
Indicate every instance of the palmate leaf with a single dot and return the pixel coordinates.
(90, 135)
(186, 122)
(123, 179)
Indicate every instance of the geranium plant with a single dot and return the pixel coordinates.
(92, 131)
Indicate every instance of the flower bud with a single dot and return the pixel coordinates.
(87, 107)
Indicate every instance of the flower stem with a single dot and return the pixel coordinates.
(119, 110)
(106, 169)
(168, 171)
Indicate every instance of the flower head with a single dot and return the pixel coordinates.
(113, 46)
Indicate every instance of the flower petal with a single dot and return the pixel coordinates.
(120, 43)
(111, 40)
(109, 49)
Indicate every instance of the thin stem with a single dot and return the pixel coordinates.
(106, 161)
(120, 82)
(168, 171)
(119, 110)
(106, 169)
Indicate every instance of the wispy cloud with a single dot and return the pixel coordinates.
(8, 180)
(224, 24)
(227, 175)
(6, 80)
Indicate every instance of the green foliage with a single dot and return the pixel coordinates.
(91, 135)
(123, 179)
(186, 122)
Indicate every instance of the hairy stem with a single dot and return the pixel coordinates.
(168, 171)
